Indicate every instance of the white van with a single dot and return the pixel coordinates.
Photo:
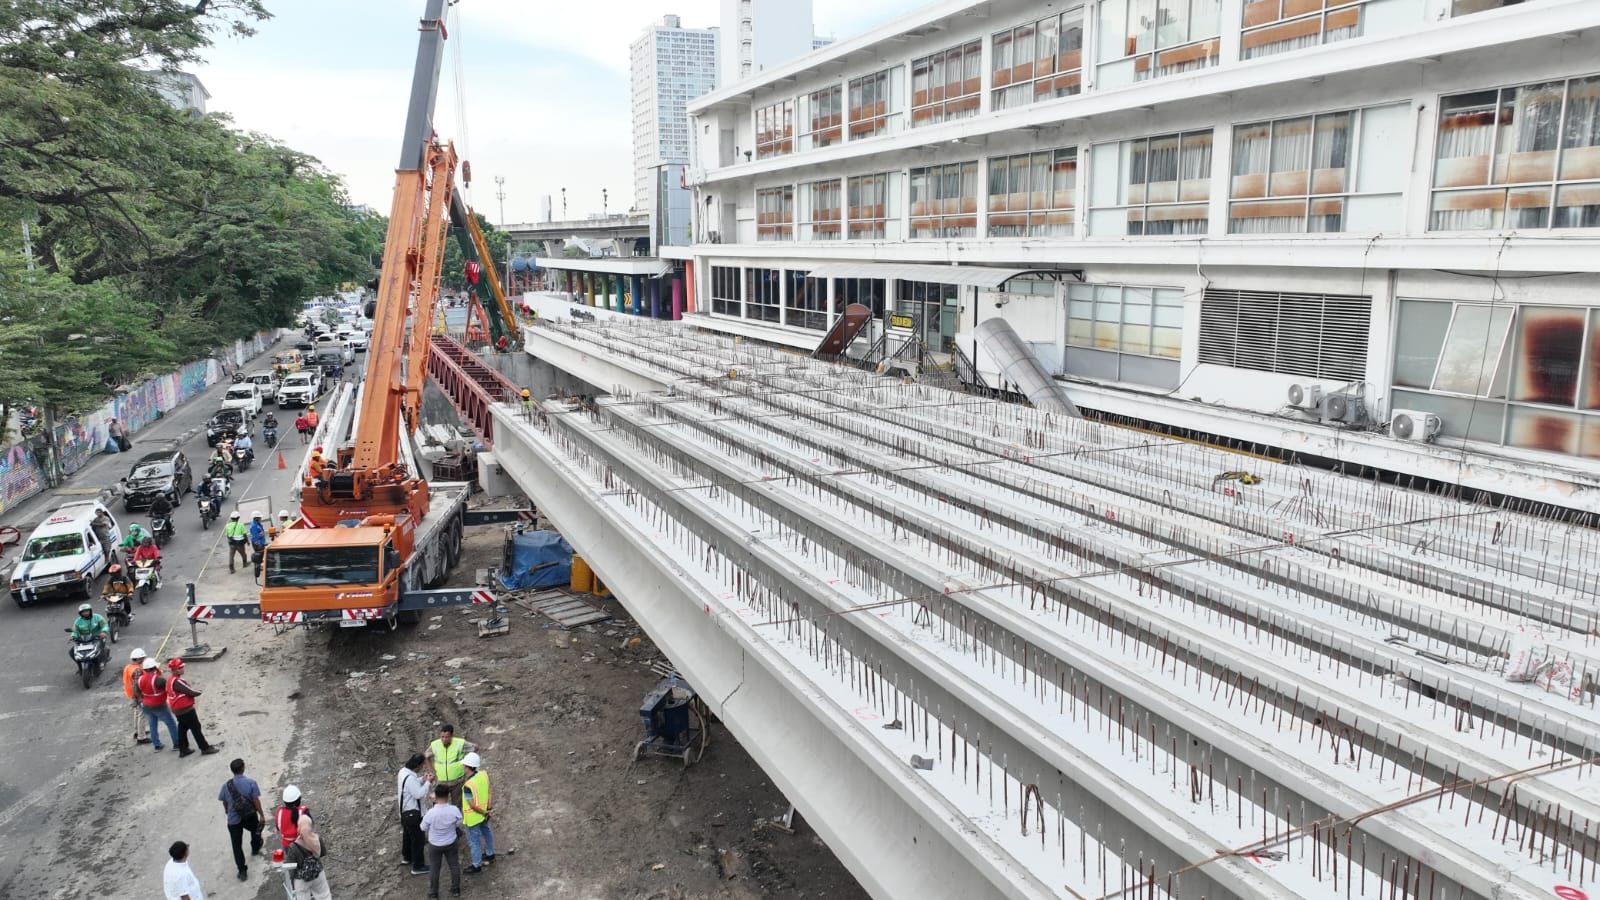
(246, 396)
(63, 556)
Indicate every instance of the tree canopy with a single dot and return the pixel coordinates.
(156, 234)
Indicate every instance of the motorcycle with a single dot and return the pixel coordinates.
(244, 458)
(270, 434)
(208, 512)
(90, 655)
(238, 377)
(161, 529)
(146, 580)
(119, 609)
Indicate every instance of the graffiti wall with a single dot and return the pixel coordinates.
(23, 469)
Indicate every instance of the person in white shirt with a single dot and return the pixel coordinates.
(440, 823)
(179, 880)
(413, 791)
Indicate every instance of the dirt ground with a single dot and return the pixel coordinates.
(555, 715)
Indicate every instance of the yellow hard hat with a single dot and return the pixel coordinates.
(527, 393)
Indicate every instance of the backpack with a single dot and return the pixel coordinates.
(306, 864)
(242, 807)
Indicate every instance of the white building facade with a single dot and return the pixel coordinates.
(759, 35)
(1213, 215)
(669, 65)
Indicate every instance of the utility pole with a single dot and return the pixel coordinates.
(500, 194)
(605, 199)
(563, 204)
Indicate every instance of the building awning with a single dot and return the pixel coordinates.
(968, 276)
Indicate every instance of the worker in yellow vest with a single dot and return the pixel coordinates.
(447, 754)
(476, 813)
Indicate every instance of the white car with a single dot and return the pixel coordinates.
(299, 389)
(246, 396)
(63, 555)
(358, 341)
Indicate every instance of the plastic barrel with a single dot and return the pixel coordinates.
(582, 576)
(600, 589)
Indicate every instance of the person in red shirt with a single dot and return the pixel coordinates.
(181, 696)
(147, 550)
(303, 425)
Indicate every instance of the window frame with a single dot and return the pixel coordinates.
(725, 281)
(1005, 81)
(937, 180)
(886, 121)
(945, 107)
(1051, 213)
(1126, 165)
(831, 130)
(770, 141)
(1257, 18)
(812, 224)
(775, 224)
(884, 227)
(1149, 63)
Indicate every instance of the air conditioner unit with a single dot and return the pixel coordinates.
(1348, 409)
(1305, 396)
(1414, 425)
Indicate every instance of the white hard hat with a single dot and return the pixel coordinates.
(291, 794)
(471, 759)
(137, 654)
(150, 662)
(283, 514)
(234, 516)
(257, 515)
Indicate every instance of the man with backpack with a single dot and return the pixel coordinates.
(241, 800)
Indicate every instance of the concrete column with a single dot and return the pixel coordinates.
(833, 302)
(638, 295)
(744, 292)
(688, 286)
(618, 299)
(588, 288)
(569, 283)
(783, 296)
(655, 298)
(677, 298)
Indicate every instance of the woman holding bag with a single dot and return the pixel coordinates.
(305, 851)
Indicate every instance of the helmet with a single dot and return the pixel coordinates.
(283, 514)
(472, 760)
(148, 541)
(235, 515)
(134, 528)
(150, 662)
(316, 454)
(175, 664)
(114, 569)
(138, 653)
(85, 608)
(256, 515)
(526, 393)
(312, 408)
(291, 794)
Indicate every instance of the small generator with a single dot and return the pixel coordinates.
(673, 725)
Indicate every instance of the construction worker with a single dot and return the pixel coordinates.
(284, 521)
(527, 404)
(475, 813)
(130, 687)
(238, 536)
(447, 753)
(311, 417)
(152, 688)
(181, 696)
(315, 468)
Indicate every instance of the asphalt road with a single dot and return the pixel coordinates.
(66, 748)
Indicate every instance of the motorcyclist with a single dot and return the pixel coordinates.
(221, 467)
(135, 535)
(243, 446)
(117, 580)
(90, 625)
(269, 429)
(161, 508)
(147, 549)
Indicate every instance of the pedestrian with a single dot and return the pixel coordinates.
(241, 801)
(130, 686)
(475, 814)
(302, 425)
(446, 754)
(258, 542)
(103, 532)
(179, 881)
(181, 696)
(152, 689)
(309, 880)
(238, 541)
(118, 433)
(412, 791)
(442, 823)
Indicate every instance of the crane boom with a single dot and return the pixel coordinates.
(474, 245)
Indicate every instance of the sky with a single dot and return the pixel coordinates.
(534, 92)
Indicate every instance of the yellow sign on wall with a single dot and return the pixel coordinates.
(901, 322)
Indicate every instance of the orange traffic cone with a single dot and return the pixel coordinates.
(281, 464)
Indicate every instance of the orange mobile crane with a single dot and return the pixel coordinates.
(373, 535)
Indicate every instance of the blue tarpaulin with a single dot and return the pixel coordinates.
(538, 559)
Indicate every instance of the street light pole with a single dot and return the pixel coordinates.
(500, 194)
(563, 204)
(605, 199)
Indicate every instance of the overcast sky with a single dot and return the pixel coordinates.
(543, 86)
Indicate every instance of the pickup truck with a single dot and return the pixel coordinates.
(264, 380)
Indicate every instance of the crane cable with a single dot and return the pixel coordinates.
(459, 77)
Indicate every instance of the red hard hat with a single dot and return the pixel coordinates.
(175, 664)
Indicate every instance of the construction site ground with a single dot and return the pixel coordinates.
(555, 714)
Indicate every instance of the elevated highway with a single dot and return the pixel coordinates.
(993, 652)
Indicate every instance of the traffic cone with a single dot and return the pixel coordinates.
(281, 463)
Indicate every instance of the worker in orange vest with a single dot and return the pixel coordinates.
(153, 695)
(130, 686)
(311, 417)
(315, 466)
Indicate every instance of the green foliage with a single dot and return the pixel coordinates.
(156, 234)
(453, 274)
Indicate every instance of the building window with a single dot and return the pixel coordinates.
(944, 201)
(807, 303)
(1144, 39)
(874, 204)
(1282, 26)
(1524, 157)
(825, 117)
(1521, 375)
(876, 102)
(820, 218)
(946, 85)
(1124, 333)
(1033, 194)
(762, 288)
(1320, 173)
(1038, 61)
(725, 290)
(1151, 186)
(1311, 335)
(1467, 7)
(775, 214)
(868, 292)
(775, 130)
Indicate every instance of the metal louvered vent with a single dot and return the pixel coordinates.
(1312, 335)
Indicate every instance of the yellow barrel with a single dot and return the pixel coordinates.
(582, 576)
(600, 589)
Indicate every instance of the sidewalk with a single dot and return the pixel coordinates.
(100, 477)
